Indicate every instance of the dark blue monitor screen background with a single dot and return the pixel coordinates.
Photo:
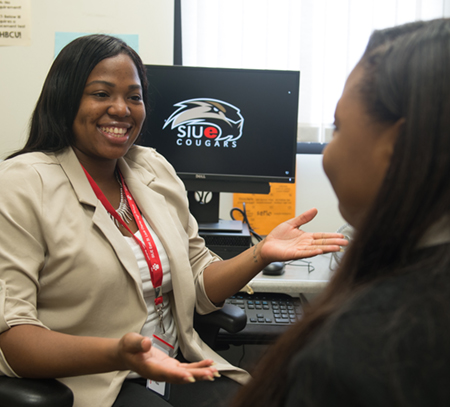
(224, 123)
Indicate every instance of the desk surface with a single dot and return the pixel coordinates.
(298, 278)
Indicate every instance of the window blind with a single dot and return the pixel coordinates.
(323, 39)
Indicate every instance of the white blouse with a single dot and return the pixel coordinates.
(149, 293)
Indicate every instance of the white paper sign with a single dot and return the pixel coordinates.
(15, 21)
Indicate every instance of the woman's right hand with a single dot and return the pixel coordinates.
(35, 352)
(138, 355)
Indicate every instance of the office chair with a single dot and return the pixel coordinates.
(230, 318)
(16, 392)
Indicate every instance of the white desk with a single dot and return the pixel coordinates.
(297, 279)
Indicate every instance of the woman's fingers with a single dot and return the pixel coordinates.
(136, 343)
(185, 373)
(335, 241)
(202, 363)
(305, 217)
(326, 235)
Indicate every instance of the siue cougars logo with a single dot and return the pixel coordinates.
(206, 120)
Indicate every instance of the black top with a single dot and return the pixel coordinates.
(389, 347)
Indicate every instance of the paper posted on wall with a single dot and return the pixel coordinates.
(15, 22)
(265, 212)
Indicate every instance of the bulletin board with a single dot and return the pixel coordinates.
(265, 211)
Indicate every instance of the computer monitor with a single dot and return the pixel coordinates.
(223, 130)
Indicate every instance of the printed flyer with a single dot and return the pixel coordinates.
(15, 21)
(265, 211)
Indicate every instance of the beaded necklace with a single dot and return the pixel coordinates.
(123, 210)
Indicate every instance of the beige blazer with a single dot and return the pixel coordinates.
(66, 267)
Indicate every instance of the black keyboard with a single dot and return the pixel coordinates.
(268, 316)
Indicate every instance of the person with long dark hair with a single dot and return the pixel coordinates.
(379, 334)
(101, 264)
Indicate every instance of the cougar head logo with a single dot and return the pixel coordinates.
(225, 117)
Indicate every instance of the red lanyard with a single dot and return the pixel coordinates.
(148, 247)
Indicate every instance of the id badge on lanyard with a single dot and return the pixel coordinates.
(165, 343)
(148, 247)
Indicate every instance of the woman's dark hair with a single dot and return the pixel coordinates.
(57, 106)
(406, 75)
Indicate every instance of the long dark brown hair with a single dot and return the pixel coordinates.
(406, 75)
(59, 101)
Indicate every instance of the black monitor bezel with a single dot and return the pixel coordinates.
(231, 182)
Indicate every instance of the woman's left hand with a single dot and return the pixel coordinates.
(288, 242)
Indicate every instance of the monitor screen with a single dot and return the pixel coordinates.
(224, 124)
(224, 130)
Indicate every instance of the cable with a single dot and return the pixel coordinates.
(348, 232)
(242, 357)
(245, 220)
(307, 263)
(258, 237)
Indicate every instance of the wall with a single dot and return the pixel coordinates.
(313, 191)
(23, 69)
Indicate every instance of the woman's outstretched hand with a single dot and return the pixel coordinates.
(141, 357)
(288, 242)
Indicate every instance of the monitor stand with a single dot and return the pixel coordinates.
(204, 206)
(229, 226)
(226, 238)
(204, 201)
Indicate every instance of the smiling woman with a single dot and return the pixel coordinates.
(111, 104)
(110, 116)
(111, 111)
(108, 122)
